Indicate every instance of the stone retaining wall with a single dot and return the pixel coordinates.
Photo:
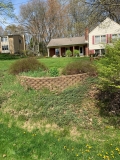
(53, 83)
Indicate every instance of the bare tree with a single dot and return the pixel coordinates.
(6, 10)
(13, 29)
(78, 15)
(105, 8)
(1, 31)
(43, 20)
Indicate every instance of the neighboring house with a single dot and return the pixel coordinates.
(91, 43)
(60, 45)
(103, 34)
(12, 43)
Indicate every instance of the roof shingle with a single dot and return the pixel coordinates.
(66, 41)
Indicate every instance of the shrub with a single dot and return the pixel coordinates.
(25, 65)
(80, 67)
(68, 53)
(8, 56)
(109, 67)
(76, 53)
(54, 72)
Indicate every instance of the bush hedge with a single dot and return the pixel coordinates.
(80, 67)
(25, 65)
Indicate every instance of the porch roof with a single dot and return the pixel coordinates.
(66, 41)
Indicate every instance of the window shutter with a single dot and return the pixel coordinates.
(107, 38)
(92, 39)
(110, 38)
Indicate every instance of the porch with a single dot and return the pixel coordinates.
(60, 51)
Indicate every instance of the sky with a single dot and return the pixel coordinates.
(16, 5)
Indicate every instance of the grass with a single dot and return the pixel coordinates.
(61, 62)
(55, 66)
(46, 125)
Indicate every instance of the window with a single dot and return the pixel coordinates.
(100, 39)
(20, 41)
(97, 39)
(97, 52)
(3, 39)
(103, 39)
(57, 51)
(5, 47)
(114, 36)
(102, 51)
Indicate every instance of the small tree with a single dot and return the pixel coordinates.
(68, 53)
(109, 67)
(76, 53)
(109, 76)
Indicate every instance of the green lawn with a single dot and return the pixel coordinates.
(44, 125)
(61, 62)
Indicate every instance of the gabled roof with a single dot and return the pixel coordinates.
(107, 26)
(66, 41)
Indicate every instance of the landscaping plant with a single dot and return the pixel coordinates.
(68, 53)
(79, 67)
(76, 53)
(109, 78)
(25, 65)
(53, 72)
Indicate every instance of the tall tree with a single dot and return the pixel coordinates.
(1, 31)
(105, 8)
(6, 10)
(56, 19)
(13, 29)
(78, 12)
(43, 20)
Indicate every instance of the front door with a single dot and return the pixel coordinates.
(81, 51)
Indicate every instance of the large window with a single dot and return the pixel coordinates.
(57, 52)
(5, 47)
(103, 39)
(97, 52)
(114, 36)
(102, 51)
(4, 39)
(100, 39)
(97, 39)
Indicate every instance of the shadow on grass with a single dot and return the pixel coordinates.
(109, 104)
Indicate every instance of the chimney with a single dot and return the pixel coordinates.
(86, 34)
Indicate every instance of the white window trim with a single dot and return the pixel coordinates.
(117, 37)
(100, 39)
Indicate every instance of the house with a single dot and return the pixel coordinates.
(60, 45)
(103, 34)
(12, 43)
(92, 43)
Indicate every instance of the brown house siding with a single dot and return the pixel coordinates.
(18, 46)
(11, 45)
